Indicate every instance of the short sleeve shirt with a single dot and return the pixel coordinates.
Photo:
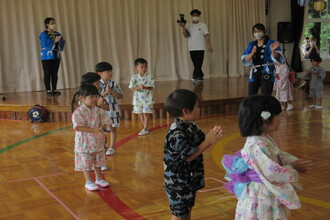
(196, 40)
(94, 117)
(142, 96)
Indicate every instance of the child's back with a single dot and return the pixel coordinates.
(263, 177)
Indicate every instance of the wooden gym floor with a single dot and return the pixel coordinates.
(37, 180)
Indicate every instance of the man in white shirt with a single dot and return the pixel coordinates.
(197, 34)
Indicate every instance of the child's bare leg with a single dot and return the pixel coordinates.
(98, 173)
(141, 117)
(318, 101)
(113, 136)
(314, 101)
(188, 217)
(88, 176)
(146, 121)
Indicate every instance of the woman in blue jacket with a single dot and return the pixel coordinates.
(261, 55)
(52, 43)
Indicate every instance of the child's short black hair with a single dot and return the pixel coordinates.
(89, 78)
(316, 58)
(195, 11)
(103, 66)
(48, 20)
(140, 61)
(250, 121)
(87, 90)
(178, 100)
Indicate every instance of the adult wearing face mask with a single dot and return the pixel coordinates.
(261, 55)
(52, 43)
(197, 34)
(312, 50)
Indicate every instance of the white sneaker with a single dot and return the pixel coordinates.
(91, 186)
(110, 151)
(290, 107)
(102, 183)
(144, 132)
(103, 168)
(312, 106)
(318, 107)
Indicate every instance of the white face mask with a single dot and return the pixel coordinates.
(195, 18)
(52, 26)
(259, 35)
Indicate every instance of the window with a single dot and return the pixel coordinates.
(318, 26)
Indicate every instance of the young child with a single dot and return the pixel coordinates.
(183, 152)
(89, 78)
(143, 99)
(111, 91)
(283, 87)
(89, 122)
(262, 176)
(317, 74)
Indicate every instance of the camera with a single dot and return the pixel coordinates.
(181, 20)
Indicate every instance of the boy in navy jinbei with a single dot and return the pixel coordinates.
(183, 152)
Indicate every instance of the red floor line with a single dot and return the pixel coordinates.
(110, 197)
(117, 205)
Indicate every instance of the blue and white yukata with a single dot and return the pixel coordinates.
(114, 108)
(262, 67)
(182, 178)
(50, 57)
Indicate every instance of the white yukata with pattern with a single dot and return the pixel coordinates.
(143, 99)
(272, 198)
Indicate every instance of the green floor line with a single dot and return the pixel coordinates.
(30, 139)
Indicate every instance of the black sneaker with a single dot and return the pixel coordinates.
(56, 92)
(49, 92)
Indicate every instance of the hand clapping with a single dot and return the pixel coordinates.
(214, 134)
(302, 166)
(274, 45)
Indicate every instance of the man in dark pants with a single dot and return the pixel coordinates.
(197, 34)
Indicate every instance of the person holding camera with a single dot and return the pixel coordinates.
(197, 34)
(261, 55)
(312, 50)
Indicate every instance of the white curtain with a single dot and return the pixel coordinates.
(119, 31)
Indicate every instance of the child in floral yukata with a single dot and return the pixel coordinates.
(89, 122)
(263, 177)
(183, 152)
(283, 87)
(143, 99)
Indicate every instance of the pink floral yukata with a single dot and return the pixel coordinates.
(272, 198)
(89, 149)
(283, 87)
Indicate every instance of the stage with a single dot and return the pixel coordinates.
(218, 95)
